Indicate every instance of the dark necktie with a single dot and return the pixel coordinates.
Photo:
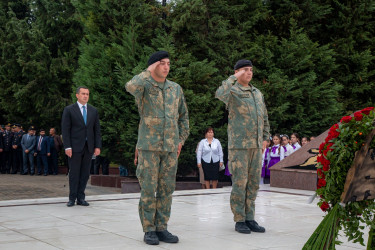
(84, 114)
(39, 143)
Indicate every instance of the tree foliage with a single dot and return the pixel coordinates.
(313, 61)
(38, 59)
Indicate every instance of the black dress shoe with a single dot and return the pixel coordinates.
(24, 173)
(167, 237)
(83, 203)
(253, 225)
(70, 203)
(39, 174)
(32, 174)
(150, 238)
(241, 227)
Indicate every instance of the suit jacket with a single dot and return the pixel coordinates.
(75, 132)
(28, 144)
(56, 142)
(44, 146)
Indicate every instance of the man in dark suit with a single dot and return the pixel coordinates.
(55, 147)
(42, 150)
(81, 135)
(28, 143)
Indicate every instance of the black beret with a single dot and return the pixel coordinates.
(242, 63)
(157, 56)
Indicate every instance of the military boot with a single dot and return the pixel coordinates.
(167, 237)
(150, 238)
(253, 225)
(241, 227)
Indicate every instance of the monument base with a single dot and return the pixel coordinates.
(294, 179)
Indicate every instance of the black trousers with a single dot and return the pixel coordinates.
(53, 160)
(104, 161)
(17, 160)
(79, 173)
(6, 161)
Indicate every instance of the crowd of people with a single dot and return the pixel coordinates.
(19, 150)
(280, 147)
(210, 156)
(35, 152)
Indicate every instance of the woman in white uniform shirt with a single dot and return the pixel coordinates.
(295, 142)
(210, 157)
(285, 143)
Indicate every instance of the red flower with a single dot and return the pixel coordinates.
(324, 162)
(319, 158)
(358, 116)
(321, 147)
(322, 183)
(324, 206)
(346, 119)
(333, 133)
(326, 165)
(320, 174)
(367, 111)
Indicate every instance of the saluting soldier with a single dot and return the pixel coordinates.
(248, 132)
(163, 129)
(17, 149)
(7, 137)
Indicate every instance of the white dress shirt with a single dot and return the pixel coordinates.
(205, 152)
(80, 107)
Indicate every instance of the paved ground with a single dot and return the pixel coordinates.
(201, 218)
(14, 187)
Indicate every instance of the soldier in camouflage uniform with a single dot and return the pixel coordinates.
(163, 129)
(248, 131)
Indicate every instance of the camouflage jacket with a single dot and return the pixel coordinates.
(248, 123)
(164, 119)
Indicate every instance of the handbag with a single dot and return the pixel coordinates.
(222, 167)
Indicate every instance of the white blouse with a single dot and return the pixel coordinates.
(275, 152)
(205, 152)
(289, 150)
(296, 146)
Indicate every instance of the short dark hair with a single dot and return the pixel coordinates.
(208, 130)
(42, 130)
(79, 89)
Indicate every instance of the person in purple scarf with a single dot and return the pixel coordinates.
(275, 154)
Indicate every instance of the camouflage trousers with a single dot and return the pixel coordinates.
(245, 165)
(156, 172)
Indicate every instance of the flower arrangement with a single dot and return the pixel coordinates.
(335, 158)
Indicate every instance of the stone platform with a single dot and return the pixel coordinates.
(201, 218)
